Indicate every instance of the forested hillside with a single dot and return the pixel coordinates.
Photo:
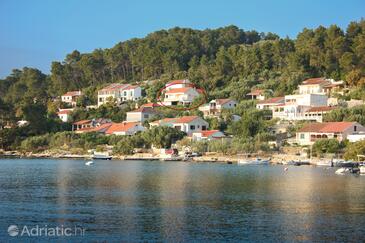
(226, 61)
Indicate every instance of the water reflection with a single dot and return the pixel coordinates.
(135, 200)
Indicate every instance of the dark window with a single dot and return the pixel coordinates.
(192, 127)
(204, 128)
(355, 128)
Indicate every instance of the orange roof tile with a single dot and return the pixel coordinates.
(73, 93)
(121, 127)
(327, 127)
(275, 100)
(178, 90)
(184, 119)
(151, 105)
(256, 92)
(321, 109)
(101, 128)
(223, 101)
(63, 112)
(82, 122)
(208, 133)
(314, 81)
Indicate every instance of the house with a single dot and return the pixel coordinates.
(207, 135)
(257, 94)
(119, 93)
(142, 114)
(85, 124)
(125, 128)
(187, 124)
(215, 107)
(270, 103)
(71, 97)
(316, 113)
(177, 84)
(153, 105)
(338, 130)
(64, 114)
(100, 128)
(182, 96)
(295, 106)
(320, 86)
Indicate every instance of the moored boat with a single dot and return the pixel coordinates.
(256, 161)
(101, 155)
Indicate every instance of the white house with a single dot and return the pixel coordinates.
(338, 130)
(270, 103)
(119, 93)
(125, 128)
(316, 113)
(183, 96)
(215, 107)
(257, 94)
(177, 84)
(207, 135)
(71, 97)
(320, 86)
(64, 114)
(188, 124)
(356, 137)
(295, 106)
(141, 114)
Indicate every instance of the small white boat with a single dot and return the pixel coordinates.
(324, 163)
(101, 155)
(89, 162)
(343, 170)
(256, 161)
(362, 170)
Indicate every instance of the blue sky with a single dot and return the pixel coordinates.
(36, 32)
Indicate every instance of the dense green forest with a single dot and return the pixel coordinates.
(228, 62)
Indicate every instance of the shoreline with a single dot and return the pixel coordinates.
(216, 158)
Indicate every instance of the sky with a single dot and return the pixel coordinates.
(34, 33)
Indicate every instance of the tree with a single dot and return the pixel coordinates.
(163, 136)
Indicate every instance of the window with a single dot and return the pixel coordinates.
(125, 93)
(145, 116)
(100, 99)
(192, 127)
(355, 128)
(204, 128)
(302, 136)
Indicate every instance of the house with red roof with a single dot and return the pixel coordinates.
(257, 94)
(310, 133)
(207, 135)
(320, 86)
(270, 103)
(187, 124)
(141, 114)
(119, 93)
(215, 107)
(180, 96)
(64, 114)
(71, 97)
(125, 128)
(89, 125)
(176, 84)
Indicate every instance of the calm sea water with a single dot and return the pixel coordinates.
(179, 202)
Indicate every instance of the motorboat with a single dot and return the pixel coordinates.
(101, 155)
(256, 161)
(343, 170)
(327, 163)
(362, 170)
(89, 163)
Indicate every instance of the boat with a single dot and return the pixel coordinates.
(256, 161)
(362, 170)
(327, 163)
(101, 155)
(89, 162)
(343, 170)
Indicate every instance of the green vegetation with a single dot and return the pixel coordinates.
(329, 146)
(356, 114)
(354, 149)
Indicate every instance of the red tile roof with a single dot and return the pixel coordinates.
(223, 101)
(63, 112)
(321, 109)
(208, 133)
(184, 119)
(312, 81)
(73, 93)
(178, 90)
(118, 86)
(327, 127)
(274, 100)
(151, 105)
(256, 92)
(180, 81)
(121, 127)
(101, 128)
(82, 122)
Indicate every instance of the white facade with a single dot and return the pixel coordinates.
(215, 107)
(140, 115)
(185, 124)
(176, 84)
(71, 97)
(295, 106)
(184, 96)
(64, 114)
(119, 93)
(356, 137)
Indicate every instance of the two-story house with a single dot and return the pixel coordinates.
(180, 96)
(310, 133)
(320, 86)
(141, 114)
(119, 93)
(214, 107)
(187, 124)
(71, 97)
